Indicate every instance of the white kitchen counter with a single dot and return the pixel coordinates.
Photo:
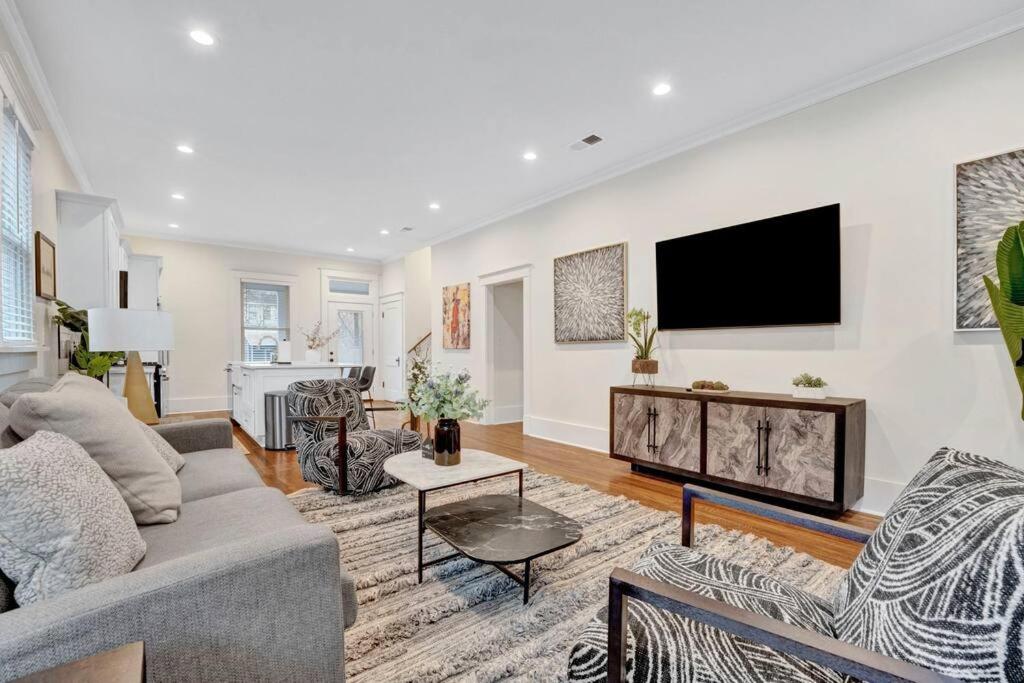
(294, 365)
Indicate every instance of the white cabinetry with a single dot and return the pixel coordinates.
(248, 382)
(89, 252)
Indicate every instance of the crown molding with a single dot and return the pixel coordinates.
(15, 27)
(958, 42)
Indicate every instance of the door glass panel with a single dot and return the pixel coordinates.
(350, 337)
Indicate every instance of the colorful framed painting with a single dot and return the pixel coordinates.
(455, 317)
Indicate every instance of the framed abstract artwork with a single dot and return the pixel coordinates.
(989, 199)
(590, 295)
(455, 316)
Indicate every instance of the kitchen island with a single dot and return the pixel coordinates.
(248, 382)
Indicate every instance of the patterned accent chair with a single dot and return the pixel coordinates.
(336, 447)
(935, 594)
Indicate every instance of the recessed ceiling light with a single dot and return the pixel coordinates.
(185, 149)
(173, 225)
(177, 195)
(530, 155)
(434, 206)
(350, 249)
(201, 37)
(661, 89)
(385, 232)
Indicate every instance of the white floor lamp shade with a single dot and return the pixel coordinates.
(131, 331)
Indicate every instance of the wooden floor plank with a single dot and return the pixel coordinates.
(280, 469)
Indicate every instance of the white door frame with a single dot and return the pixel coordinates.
(327, 296)
(384, 300)
(489, 281)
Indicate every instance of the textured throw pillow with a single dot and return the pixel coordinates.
(25, 386)
(939, 582)
(87, 412)
(171, 456)
(63, 525)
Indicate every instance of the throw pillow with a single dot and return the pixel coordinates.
(63, 525)
(171, 456)
(939, 582)
(87, 412)
(25, 386)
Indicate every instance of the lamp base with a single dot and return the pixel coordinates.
(136, 391)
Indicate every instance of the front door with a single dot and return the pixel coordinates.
(391, 354)
(354, 322)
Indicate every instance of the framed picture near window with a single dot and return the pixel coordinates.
(46, 268)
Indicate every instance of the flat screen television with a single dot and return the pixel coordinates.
(777, 271)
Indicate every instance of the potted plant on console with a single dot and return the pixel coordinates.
(642, 334)
(806, 385)
(447, 398)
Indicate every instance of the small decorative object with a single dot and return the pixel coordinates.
(427, 449)
(989, 197)
(447, 398)
(317, 340)
(806, 385)
(1008, 296)
(80, 358)
(710, 385)
(455, 316)
(590, 295)
(46, 268)
(642, 334)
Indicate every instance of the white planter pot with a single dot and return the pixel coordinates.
(312, 355)
(809, 392)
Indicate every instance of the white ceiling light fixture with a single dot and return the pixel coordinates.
(530, 155)
(177, 195)
(661, 89)
(173, 225)
(202, 37)
(434, 206)
(385, 232)
(185, 149)
(350, 250)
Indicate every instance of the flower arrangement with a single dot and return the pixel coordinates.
(445, 395)
(807, 380)
(641, 333)
(315, 339)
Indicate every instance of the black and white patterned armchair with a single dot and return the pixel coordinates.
(936, 594)
(336, 447)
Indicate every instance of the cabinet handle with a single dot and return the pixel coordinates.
(767, 442)
(654, 437)
(759, 428)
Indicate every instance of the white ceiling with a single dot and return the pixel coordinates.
(317, 123)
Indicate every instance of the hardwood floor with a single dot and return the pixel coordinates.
(280, 470)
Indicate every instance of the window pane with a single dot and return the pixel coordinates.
(264, 314)
(260, 346)
(349, 287)
(16, 231)
(350, 337)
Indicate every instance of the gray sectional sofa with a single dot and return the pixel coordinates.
(240, 587)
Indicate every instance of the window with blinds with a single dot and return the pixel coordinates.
(17, 295)
(264, 320)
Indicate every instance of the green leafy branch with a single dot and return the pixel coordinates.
(641, 333)
(1008, 297)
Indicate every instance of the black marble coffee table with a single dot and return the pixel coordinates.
(503, 530)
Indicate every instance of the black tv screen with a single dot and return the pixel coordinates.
(777, 271)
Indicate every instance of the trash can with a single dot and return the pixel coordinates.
(277, 431)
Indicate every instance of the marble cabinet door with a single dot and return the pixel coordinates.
(801, 452)
(677, 433)
(733, 442)
(631, 426)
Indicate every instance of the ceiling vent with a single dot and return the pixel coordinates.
(406, 229)
(586, 142)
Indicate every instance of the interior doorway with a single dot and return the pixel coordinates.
(392, 353)
(506, 381)
(354, 322)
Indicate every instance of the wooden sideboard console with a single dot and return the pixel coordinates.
(799, 451)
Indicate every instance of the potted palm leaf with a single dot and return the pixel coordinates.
(1008, 296)
(642, 334)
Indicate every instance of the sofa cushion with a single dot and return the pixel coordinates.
(939, 582)
(25, 386)
(666, 646)
(63, 525)
(214, 522)
(217, 471)
(173, 458)
(8, 437)
(87, 412)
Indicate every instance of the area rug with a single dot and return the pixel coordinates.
(466, 621)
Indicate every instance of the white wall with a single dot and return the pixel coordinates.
(392, 278)
(887, 154)
(416, 267)
(508, 353)
(198, 286)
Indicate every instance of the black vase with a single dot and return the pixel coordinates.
(447, 442)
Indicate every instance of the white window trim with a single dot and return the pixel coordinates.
(32, 344)
(235, 319)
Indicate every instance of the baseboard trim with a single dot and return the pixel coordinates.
(199, 404)
(505, 414)
(879, 494)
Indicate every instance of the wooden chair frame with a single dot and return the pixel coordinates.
(833, 653)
